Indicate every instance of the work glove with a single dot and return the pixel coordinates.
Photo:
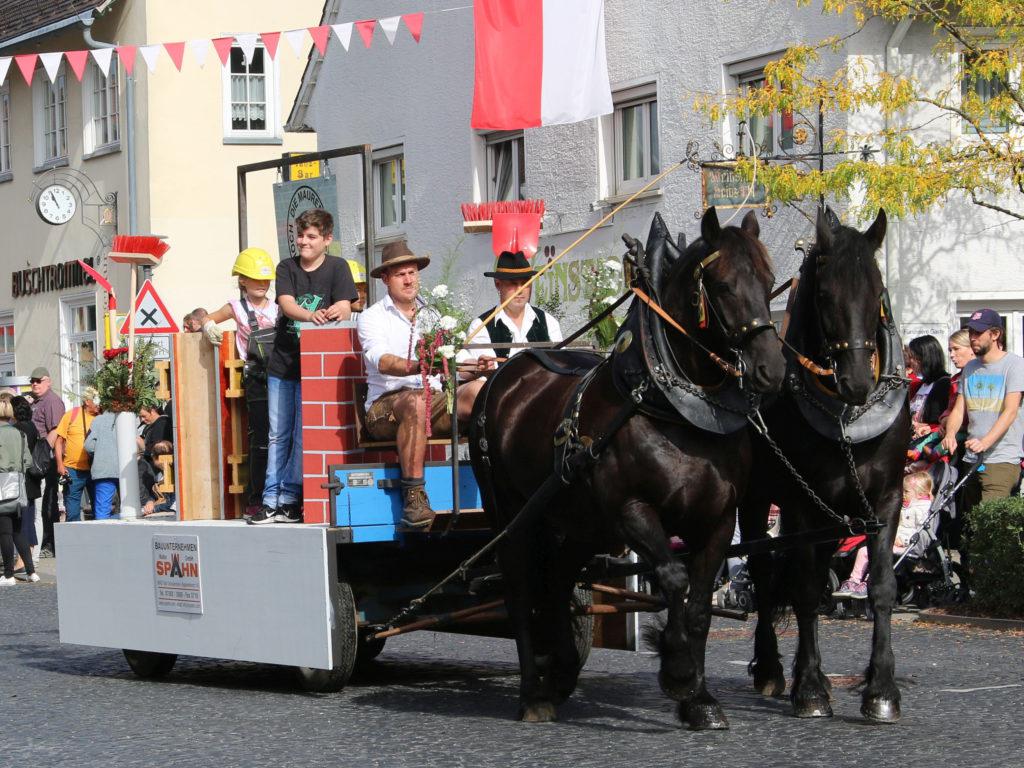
(212, 332)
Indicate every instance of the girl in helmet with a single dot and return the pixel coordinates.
(253, 312)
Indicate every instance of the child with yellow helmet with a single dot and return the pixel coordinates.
(255, 316)
(359, 278)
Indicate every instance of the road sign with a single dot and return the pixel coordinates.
(151, 316)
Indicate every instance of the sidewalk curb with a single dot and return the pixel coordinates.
(980, 622)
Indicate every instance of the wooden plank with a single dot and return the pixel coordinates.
(195, 411)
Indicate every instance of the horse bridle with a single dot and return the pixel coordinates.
(702, 301)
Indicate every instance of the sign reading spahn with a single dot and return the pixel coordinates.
(176, 574)
(151, 315)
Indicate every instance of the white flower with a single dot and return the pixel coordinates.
(440, 291)
(461, 335)
(613, 265)
(448, 322)
(447, 350)
(610, 299)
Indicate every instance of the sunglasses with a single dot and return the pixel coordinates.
(35, 381)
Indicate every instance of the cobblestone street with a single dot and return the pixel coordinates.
(435, 699)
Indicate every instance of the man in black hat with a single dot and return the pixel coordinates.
(519, 321)
(990, 397)
(395, 400)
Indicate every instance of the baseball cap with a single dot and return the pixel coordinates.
(40, 373)
(983, 319)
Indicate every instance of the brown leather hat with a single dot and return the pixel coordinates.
(396, 254)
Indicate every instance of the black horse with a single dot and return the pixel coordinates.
(605, 448)
(843, 422)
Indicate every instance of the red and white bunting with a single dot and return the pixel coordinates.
(390, 27)
(51, 63)
(414, 23)
(27, 64)
(77, 61)
(199, 49)
(365, 29)
(297, 41)
(344, 33)
(102, 57)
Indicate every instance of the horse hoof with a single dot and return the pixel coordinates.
(812, 708)
(702, 716)
(676, 690)
(881, 710)
(771, 686)
(542, 712)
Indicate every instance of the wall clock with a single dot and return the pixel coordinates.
(56, 204)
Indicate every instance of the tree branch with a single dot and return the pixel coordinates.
(999, 208)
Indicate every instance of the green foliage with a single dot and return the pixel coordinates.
(980, 155)
(602, 286)
(997, 555)
(125, 386)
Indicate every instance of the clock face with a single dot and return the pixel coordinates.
(56, 204)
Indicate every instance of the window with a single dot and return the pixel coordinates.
(51, 117)
(250, 102)
(506, 166)
(5, 130)
(7, 366)
(79, 342)
(101, 108)
(637, 151)
(389, 189)
(976, 94)
(770, 134)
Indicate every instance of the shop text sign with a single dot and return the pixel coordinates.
(723, 187)
(54, 277)
(176, 574)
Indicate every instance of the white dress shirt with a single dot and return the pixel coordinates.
(384, 330)
(518, 333)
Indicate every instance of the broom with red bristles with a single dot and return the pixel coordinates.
(477, 217)
(137, 250)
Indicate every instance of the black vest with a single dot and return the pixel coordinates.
(502, 334)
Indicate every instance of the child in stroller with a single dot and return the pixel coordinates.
(912, 536)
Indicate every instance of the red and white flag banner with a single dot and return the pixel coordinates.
(27, 64)
(149, 54)
(390, 27)
(102, 57)
(51, 63)
(177, 53)
(5, 64)
(270, 41)
(344, 33)
(199, 49)
(77, 61)
(414, 23)
(126, 53)
(539, 62)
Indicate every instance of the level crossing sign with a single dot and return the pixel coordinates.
(151, 315)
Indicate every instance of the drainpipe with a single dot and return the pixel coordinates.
(890, 58)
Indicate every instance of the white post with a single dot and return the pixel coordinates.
(127, 464)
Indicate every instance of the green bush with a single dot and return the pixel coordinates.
(997, 555)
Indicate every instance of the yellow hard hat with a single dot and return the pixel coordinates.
(255, 263)
(358, 271)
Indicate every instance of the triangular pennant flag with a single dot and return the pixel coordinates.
(199, 49)
(5, 64)
(126, 53)
(177, 53)
(414, 21)
(248, 45)
(223, 48)
(270, 41)
(102, 57)
(344, 33)
(320, 37)
(27, 64)
(365, 28)
(149, 54)
(77, 60)
(390, 27)
(296, 39)
(51, 63)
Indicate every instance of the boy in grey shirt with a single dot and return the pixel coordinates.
(990, 397)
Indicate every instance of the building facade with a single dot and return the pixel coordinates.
(412, 101)
(190, 129)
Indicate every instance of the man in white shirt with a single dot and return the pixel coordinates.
(395, 400)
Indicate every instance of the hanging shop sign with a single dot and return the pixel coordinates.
(291, 198)
(54, 277)
(723, 187)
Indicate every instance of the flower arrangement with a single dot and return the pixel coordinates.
(126, 386)
(442, 320)
(604, 284)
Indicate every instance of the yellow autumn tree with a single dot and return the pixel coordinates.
(959, 133)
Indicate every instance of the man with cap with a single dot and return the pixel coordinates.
(990, 398)
(395, 399)
(47, 411)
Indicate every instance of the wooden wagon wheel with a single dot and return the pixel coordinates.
(347, 631)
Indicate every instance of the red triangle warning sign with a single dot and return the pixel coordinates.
(151, 316)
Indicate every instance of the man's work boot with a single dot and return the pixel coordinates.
(416, 511)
